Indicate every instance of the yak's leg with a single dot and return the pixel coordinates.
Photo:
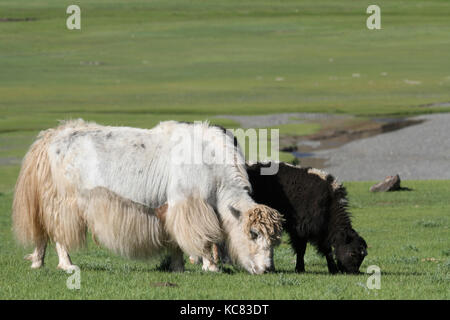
(299, 246)
(192, 223)
(223, 254)
(272, 262)
(210, 262)
(300, 265)
(209, 265)
(328, 253)
(38, 255)
(194, 259)
(176, 260)
(332, 268)
(64, 259)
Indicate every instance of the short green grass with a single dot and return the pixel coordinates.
(140, 62)
(215, 57)
(407, 233)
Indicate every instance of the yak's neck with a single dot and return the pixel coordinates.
(339, 222)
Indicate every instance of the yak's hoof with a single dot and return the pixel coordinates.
(212, 268)
(35, 264)
(67, 267)
(300, 269)
(333, 272)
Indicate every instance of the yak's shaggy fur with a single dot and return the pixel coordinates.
(40, 210)
(314, 206)
(262, 224)
(265, 221)
(82, 175)
(113, 219)
(194, 223)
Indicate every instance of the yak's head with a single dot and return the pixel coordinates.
(350, 250)
(253, 247)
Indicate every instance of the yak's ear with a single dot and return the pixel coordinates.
(236, 213)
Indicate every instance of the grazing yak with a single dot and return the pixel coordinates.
(314, 206)
(109, 180)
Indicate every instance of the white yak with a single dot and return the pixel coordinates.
(109, 180)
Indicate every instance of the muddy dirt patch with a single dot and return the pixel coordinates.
(8, 161)
(17, 19)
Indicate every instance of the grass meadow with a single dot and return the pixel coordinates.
(407, 233)
(140, 62)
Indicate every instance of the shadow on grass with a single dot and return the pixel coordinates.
(405, 189)
(232, 271)
(393, 273)
(302, 273)
(89, 266)
(401, 273)
(95, 267)
(228, 270)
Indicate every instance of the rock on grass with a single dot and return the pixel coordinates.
(390, 183)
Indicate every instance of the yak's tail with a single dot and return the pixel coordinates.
(39, 211)
(27, 210)
(127, 228)
(194, 225)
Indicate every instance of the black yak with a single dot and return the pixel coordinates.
(314, 206)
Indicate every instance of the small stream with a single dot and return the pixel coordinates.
(337, 138)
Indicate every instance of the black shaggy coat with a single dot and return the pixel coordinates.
(314, 206)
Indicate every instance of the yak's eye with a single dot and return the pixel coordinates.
(253, 235)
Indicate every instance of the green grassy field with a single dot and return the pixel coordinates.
(163, 58)
(407, 234)
(139, 62)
